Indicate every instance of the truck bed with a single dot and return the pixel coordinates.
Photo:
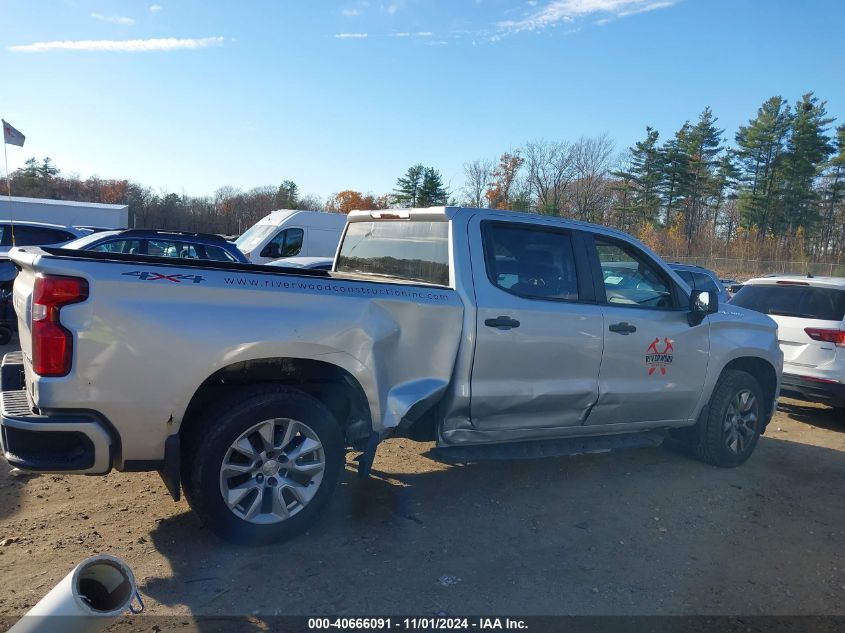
(153, 330)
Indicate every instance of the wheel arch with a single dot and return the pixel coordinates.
(765, 374)
(337, 388)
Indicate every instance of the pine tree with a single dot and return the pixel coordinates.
(725, 184)
(287, 196)
(834, 191)
(760, 148)
(644, 175)
(702, 146)
(47, 169)
(808, 149)
(432, 193)
(674, 160)
(407, 191)
(622, 189)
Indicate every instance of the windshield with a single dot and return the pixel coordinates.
(254, 236)
(414, 251)
(809, 302)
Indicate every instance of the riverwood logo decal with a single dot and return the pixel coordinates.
(659, 359)
(147, 275)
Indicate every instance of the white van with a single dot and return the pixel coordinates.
(292, 234)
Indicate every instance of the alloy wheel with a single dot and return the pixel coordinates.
(272, 471)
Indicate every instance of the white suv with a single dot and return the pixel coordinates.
(810, 313)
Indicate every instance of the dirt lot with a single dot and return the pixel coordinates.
(644, 531)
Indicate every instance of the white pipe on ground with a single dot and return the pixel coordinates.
(87, 600)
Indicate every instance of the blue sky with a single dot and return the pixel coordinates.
(191, 95)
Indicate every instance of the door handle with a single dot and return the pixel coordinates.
(502, 323)
(622, 328)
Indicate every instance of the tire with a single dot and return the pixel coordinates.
(733, 422)
(264, 447)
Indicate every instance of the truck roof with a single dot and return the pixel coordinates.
(446, 213)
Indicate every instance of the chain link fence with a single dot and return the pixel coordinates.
(742, 269)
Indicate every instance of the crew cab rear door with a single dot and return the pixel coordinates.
(654, 363)
(539, 331)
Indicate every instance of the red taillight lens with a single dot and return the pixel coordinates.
(52, 345)
(837, 337)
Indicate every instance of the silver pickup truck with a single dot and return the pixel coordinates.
(492, 333)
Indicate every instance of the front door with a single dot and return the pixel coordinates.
(654, 363)
(539, 331)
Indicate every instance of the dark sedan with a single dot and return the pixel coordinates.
(161, 244)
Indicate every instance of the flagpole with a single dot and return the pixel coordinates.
(9, 190)
(10, 133)
(8, 180)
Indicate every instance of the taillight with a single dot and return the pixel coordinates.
(52, 345)
(837, 337)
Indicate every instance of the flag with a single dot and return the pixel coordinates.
(11, 136)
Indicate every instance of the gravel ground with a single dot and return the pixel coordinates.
(643, 531)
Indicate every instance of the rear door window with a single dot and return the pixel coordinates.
(530, 261)
(808, 302)
(36, 235)
(168, 248)
(129, 247)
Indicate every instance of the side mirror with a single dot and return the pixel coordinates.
(702, 303)
(272, 250)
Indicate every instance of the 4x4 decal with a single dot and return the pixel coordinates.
(655, 359)
(146, 275)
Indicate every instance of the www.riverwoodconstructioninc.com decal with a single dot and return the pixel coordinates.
(659, 359)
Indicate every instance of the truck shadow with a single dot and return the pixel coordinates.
(532, 537)
(814, 415)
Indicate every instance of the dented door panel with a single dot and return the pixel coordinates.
(537, 356)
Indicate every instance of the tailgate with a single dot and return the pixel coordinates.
(22, 301)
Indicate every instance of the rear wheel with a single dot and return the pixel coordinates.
(733, 422)
(268, 464)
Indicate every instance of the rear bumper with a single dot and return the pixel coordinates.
(804, 388)
(73, 442)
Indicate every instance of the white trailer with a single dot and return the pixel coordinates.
(65, 212)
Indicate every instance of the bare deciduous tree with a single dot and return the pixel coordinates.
(549, 172)
(477, 176)
(589, 193)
